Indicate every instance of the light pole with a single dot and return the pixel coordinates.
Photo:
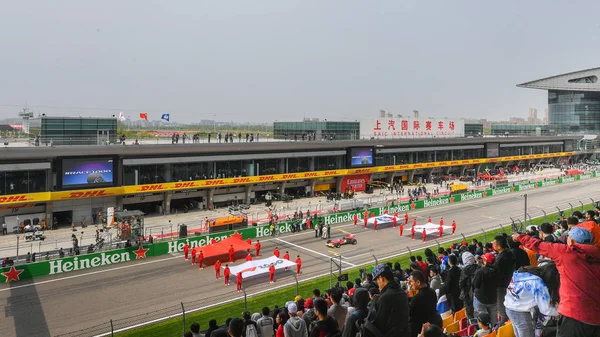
(525, 211)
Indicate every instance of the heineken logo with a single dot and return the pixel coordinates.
(471, 196)
(394, 209)
(548, 182)
(568, 179)
(527, 187)
(502, 190)
(436, 202)
(585, 176)
(86, 262)
(338, 218)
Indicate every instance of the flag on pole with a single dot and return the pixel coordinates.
(165, 117)
(144, 115)
(121, 116)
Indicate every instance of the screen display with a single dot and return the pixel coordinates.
(492, 150)
(87, 172)
(361, 157)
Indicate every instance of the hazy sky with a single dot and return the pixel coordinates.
(282, 60)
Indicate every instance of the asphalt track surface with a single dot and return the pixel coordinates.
(77, 300)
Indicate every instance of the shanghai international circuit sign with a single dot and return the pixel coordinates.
(399, 128)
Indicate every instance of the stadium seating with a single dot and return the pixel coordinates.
(506, 330)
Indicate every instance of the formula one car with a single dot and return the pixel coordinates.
(348, 239)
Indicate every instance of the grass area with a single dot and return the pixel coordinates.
(174, 327)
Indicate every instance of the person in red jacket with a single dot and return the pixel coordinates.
(308, 223)
(248, 256)
(200, 259)
(366, 218)
(578, 263)
(372, 214)
(226, 274)
(276, 252)
(441, 229)
(272, 273)
(429, 219)
(375, 223)
(406, 218)
(394, 221)
(385, 211)
(238, 281)
(218, 269)
(257, 247)
(415, 222)
(298, 264)
(231, 252)
(194, 251)
(213, 241)
(286, 256)
(412, 232)
(186, 251)
(424, 234)
(401, 230)
(441, 221)
(249, 241)
(355, 219)
(453, 226)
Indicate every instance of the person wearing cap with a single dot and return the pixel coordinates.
(470, 267)
(484, 289)
(483, 321)
(571, 221)
(392, 304)
(423, 305)
(309, 315)
(295, 326)
(578, 263)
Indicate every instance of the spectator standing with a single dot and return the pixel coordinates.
(451, 284)
(236, 327)
(391, 305)
(295, 326)
(251, 326)
(436, 280)
(465, 282)
(484, 289)
(578, 263)
(505, 266)
(195, 330)
(266, 324)
(531, 288)
(281, 319)
(521, 257)
(422, 305)
(325, 324)
(360, 300)
(337, 310)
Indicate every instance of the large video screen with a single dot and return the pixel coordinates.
(87, 172)
(361, 156)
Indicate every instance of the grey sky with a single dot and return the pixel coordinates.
(281, 60)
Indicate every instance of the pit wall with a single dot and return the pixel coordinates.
(95, 260)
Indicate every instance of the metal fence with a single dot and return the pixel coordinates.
(113, 326)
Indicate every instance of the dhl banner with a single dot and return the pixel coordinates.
(176, 186)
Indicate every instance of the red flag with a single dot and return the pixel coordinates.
(144, 115)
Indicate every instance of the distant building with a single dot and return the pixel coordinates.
(321, 129)
(573, 100)
(473, 129)
(532, 116)
(500, 129)
(73, 130)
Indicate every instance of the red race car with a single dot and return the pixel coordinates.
(348, 239)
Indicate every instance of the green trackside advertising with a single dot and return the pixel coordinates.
(74, 263)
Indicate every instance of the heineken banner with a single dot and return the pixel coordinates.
(88, 261)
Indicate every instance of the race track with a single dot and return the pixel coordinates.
(77, 300)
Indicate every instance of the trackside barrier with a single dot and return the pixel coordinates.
(178, 311)
(74, 263)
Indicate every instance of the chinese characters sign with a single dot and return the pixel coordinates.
(397, 128)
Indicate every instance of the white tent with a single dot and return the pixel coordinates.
(258, 267)
(431, 228)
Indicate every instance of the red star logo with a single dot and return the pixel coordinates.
(140, 253)
(12, 274)
(413, 205)
(451, 199)
(484, 193)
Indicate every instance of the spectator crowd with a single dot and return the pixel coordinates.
(544, 282)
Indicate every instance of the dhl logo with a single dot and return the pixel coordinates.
(215, 182)
(13, 198)
(418, 165)
(454, 163)
(403, 167)
(289, 176)
(87, 194)
(266, 178)
(388, 168)
(430, 164)
(184, 185)
(311, 174)
(241, 180)
(157, 187)
(363, 171)
(329, 173)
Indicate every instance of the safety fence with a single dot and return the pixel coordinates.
(550, 213)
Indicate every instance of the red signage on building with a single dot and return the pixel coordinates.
(358, 182)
